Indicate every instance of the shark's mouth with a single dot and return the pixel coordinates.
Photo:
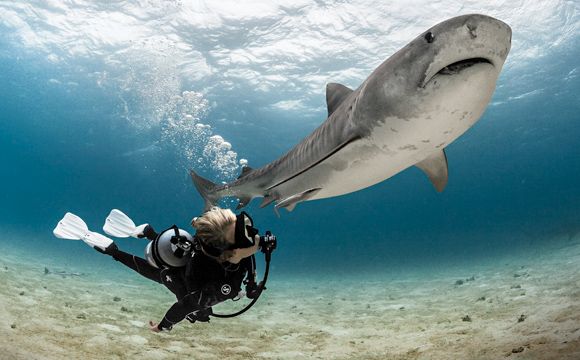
(458, 66)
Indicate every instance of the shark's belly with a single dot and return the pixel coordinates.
(396, 144)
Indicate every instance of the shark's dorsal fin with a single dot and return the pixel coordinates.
(245, 171)
(335, 95)
(435, 167)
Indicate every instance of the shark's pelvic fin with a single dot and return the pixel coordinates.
(335, 95)
(268, 199)
(243, 201)
(206, 189)
(245, 171)
(290, 202)
(435, 167)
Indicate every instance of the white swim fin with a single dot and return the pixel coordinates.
(120, 225)
(72, 227)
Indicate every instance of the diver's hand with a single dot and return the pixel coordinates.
(239, 254)
(153, 326)
(253, 290)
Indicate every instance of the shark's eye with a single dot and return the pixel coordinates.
(429, 37)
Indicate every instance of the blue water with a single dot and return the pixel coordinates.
(90, 130)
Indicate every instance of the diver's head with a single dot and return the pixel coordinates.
(215, 230)
(220, 231)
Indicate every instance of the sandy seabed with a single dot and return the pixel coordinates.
(524, 307)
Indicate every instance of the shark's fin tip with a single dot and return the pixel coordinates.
(435, 167)
(245, 171)
(335, 95)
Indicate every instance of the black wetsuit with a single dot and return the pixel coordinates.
(199, 285)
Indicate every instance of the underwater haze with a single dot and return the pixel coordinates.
(109, 104)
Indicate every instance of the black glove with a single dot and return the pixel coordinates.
(253, 290)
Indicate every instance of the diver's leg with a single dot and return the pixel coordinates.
(134, 262)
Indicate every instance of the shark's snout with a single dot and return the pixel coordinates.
(464, 42)
(491, 33)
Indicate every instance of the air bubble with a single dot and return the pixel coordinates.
(194, 140)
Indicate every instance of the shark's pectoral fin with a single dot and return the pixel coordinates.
(290, 202)
(335, 95)
(435, 167)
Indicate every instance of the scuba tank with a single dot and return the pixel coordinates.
(171, 248)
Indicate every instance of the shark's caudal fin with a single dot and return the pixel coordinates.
(206, 189)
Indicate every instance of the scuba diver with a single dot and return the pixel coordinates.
(201, 270)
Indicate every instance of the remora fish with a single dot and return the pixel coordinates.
(405, 113)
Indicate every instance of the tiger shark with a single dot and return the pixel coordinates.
(404, 114)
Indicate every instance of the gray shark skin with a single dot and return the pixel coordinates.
(405, 113)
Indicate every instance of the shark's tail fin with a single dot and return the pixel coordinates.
(206, 189)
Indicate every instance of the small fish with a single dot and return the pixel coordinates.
(62, 273)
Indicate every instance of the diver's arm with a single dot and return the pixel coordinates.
(191, 302)
(175, 314)
(242, 253)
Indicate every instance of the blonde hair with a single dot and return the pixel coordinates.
(212, 226)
